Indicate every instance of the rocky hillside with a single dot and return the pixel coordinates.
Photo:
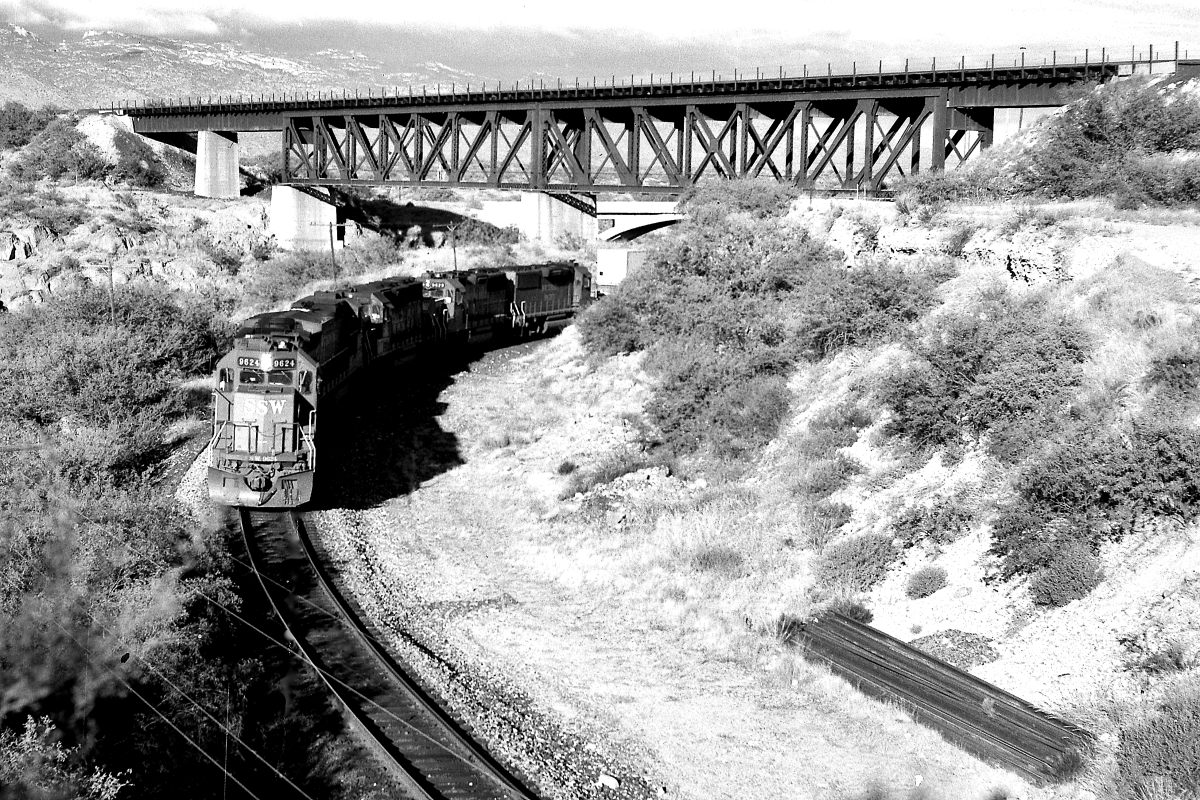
(101, 67)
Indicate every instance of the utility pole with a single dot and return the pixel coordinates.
(332, 258)
(454, 242)
(112, 303)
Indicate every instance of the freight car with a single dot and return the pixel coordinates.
(287, 365)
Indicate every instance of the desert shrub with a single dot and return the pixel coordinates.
(34, 764)
(867, 227)
(941, 523)
(18, 124)
(224, 256)
(1164, 748)
(67, 358)
(566, 467)
(284, 276)
(137, 164)
(1072, 574)
(267, 170)
(48, 207)
(1176, 373)
(958, 238)
(1004, 369)
(847, 307)
(612, 326)
(855, 563)
(1093, 486)
(607, 470)
(1130, 140)
(850, 607)
(438, 194)
(60, 149)
(1171, 657)
(728, 305)
(716, 558)
(824, 477)
(762, 198)
(925, 581)
(474, 231)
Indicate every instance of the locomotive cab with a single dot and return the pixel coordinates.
(264, 422)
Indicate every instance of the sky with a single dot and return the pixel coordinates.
(623, 36)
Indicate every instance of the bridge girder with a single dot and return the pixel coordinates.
(849, 141)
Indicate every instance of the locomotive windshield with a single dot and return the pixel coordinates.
(274, 377)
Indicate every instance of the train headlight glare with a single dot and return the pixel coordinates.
(264, 362)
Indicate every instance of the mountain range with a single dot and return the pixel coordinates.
(103, 67)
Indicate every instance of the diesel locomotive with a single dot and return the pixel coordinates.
(286, 366)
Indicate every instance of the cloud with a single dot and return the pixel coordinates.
(885, 21)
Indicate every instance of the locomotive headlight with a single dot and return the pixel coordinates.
(264, 362)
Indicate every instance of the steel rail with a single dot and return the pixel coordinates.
(445, 735)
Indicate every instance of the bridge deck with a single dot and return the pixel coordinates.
(1033, 80)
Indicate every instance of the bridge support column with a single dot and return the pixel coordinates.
(217, 164)
(300, 221)
(548, 220)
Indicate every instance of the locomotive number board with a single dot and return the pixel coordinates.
(278, 363)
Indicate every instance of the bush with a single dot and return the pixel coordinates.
(760, 198)
(1071, 574)
(284, 276)
(1163, 749)
(613, 466)
(137, 163)
(849, 607)
(848, 307)
(612, 326)
(925, 581)
(717, 558)
(59, 150)
(1176, 373)
(856, 563)
(824, 477)
(730, 304)
(941, 523)
(1131, 140)
(18, 124)
(1092, 487)
(1003, 370)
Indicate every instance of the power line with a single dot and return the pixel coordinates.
(215, 721)
(165, 719)
(330, 676)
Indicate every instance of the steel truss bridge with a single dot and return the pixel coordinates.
(858, 131)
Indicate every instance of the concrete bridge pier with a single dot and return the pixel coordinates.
(217, 164)
(549, 220)
(299, 221)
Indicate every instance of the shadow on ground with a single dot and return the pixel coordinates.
(383, 439)
(388, 217)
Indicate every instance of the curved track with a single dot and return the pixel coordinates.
(430, 756)
(968, 711)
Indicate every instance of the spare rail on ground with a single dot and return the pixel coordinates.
(970, 712)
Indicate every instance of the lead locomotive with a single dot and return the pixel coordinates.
(287, 365)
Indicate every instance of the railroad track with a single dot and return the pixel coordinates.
(968, 711)
(430, 756)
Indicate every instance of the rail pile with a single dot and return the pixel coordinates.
(428, 754)
(969, 712)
